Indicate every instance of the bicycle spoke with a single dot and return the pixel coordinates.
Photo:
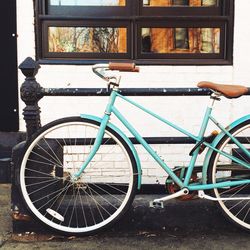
(56, 158)
(73, 210)
(234, 188)
(39, 183)
(65, 212)
(83, 212)
(242, 208)
(246, 214)
(102, 192)
(60, 166)
(96, 203)
(235, 205)
(42, 162)
(241, 156)
(41, 198)
(66, 190)
(45, 174)
(86, 197)
(35, 191)
(55, 197)
(106, 199)
(236, 209)
(108, 192)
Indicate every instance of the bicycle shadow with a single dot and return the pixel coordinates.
(177, 218)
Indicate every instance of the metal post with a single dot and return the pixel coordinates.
(31, 93)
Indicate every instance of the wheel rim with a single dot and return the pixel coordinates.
(91, 202)
(237, 210)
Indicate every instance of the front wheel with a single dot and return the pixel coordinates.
(101, 195)
(237, 208)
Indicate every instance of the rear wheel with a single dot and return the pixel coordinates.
(223, 169)
(104, 191)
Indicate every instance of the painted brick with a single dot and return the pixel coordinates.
(188, 114)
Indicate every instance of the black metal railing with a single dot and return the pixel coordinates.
(32, 92)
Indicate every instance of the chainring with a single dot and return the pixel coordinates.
(173, 187)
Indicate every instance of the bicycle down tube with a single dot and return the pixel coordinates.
(111, 109)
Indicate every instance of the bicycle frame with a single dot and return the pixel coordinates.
(182, 184)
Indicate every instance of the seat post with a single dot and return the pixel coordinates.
(215, 96)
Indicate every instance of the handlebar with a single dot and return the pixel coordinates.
(101, 69)
(126, 67)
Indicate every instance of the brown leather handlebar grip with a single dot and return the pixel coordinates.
(126, 67)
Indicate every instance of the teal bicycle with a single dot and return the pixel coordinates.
(79, 175)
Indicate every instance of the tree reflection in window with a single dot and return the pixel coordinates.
(87, 39)
(180, 40)
(180, 2)
(88, 2)
(171, 3)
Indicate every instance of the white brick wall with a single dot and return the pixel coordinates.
(186, 111)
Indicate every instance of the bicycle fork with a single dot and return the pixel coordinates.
(99, 136)
(95, 148)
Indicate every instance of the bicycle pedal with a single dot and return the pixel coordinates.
(156, 204)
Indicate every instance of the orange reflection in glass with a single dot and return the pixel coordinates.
(87, 39)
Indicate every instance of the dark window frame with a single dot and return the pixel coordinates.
(133, 18)
(182, 24)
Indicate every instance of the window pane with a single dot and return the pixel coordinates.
(87, 39)
(184, 3)
(180, 40)
(210, 3)
(88, 2)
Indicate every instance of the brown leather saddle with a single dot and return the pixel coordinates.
(229, 91)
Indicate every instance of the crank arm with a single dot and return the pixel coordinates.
(202, 195)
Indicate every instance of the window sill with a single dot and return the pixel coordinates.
(167, 62)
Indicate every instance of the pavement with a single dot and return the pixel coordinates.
(181, 225)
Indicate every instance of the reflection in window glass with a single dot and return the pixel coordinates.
(180, 2)
(87, 39)
(170, 3)
(210, 3)
(88, 2)
(180, 40)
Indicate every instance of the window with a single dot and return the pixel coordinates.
(145, 31)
